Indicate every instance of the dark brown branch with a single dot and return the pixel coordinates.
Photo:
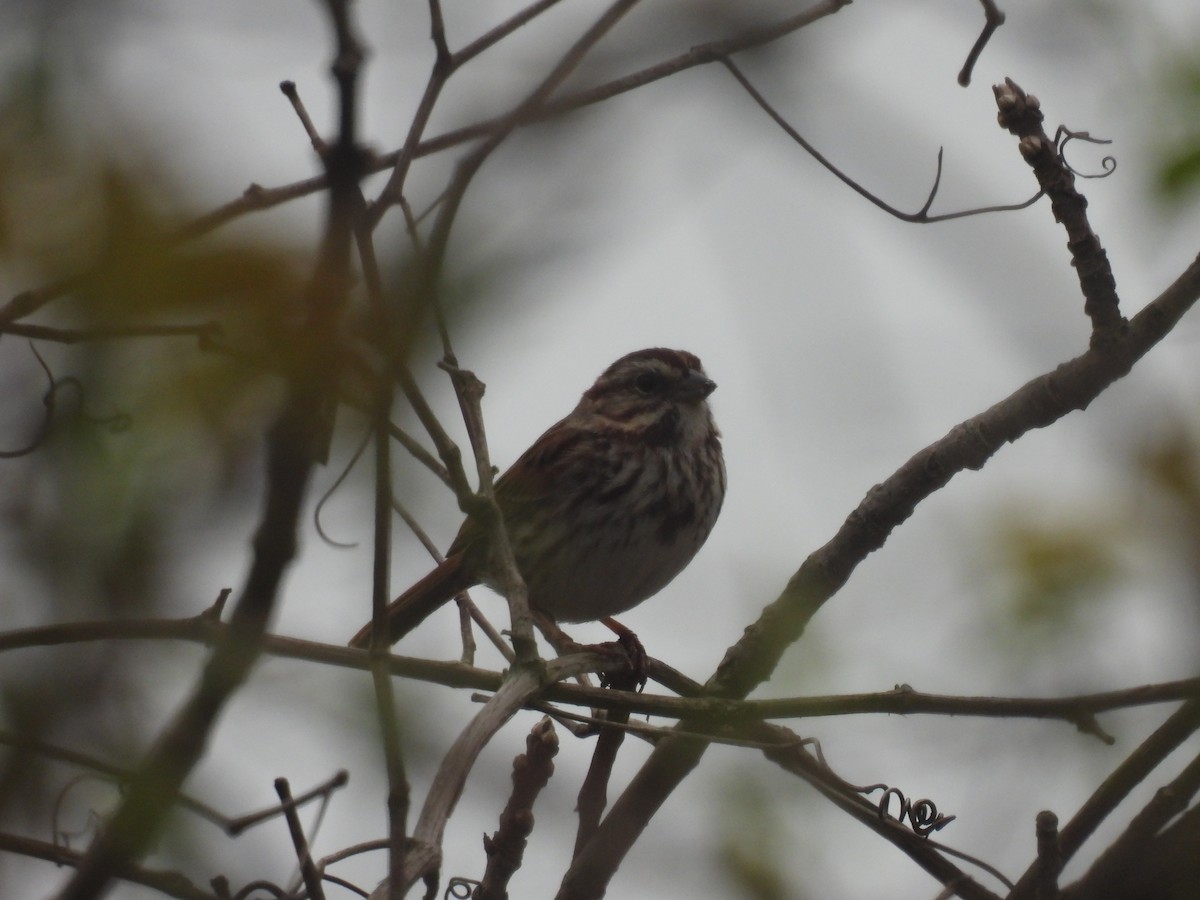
(443, 68)
(1128, 775)
(308, 871)
(1021, 114)
(322, 791)
(505, 848)
(921, 216)
(1128, 852)
(1049, 856)
(593, 792)
(447, 450)
(701, 54)
(993, 18)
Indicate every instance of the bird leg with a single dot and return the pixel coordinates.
(627, 643)
(632, 646)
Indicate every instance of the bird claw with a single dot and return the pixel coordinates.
(635, 676)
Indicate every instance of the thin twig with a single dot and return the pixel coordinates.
(321, 792)
(993, 18)
(389, 723)
(308, 871)
(169, 883)
(484, 505)
(203, 330)
(468, 611)
(501, 31)
(921, 216)
(699, 55)
(314, 137)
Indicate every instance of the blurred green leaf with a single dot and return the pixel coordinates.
(1056, 568)
(1177, 173)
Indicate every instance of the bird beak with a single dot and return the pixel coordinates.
(696, 386)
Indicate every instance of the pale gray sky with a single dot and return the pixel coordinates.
(842, 341)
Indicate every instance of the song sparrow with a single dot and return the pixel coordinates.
(605, 508)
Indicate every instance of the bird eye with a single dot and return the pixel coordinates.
(648, 383)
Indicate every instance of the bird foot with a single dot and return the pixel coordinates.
(634, 677)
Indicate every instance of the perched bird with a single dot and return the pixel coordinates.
(606, 507)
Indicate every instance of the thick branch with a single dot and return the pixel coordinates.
(1128, 775)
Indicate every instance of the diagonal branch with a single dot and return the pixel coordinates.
(1130, 773)
(921, 216)
(521, 685)
(1131, 851)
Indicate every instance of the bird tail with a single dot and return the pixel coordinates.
(416, 604)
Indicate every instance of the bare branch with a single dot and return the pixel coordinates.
(921, 216)
(308, 871)
(1048, 856)
(314, 137)
(205, 331)
(505, 848)
(1128, 775)
(993, 18)
(522, 684)
(1021, 114)
(171, 884)
(501, 31)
